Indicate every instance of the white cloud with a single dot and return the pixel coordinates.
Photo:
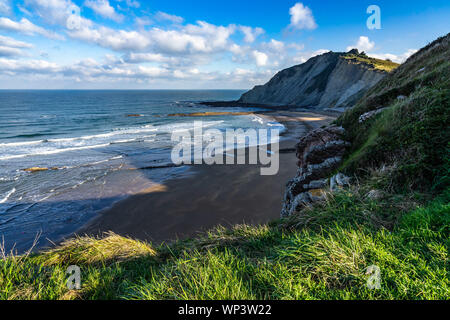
(131, 3)
(276, 45)
(302, 58)
(216, 36)
(145, 57)
(162, 16)
(26, 27)
(114, 71)
(53, 12)
(260, 58)
(104, 9)
(10, 42)
(173, 41)
(236, 49)
(5, 7)
(296, 46)
(242, 72)
(272, 55)
(57, 12)
(9, 51)
(142, 22)
(319, 52)
(24, 11)
(302, 17)
(34, 66)
(363, 44)
(169, 52)
(191, 39)
(152, 71)
(10, 47)
(119, 40)
(395, 58)
(250, 34)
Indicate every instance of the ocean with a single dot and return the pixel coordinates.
(99, 147)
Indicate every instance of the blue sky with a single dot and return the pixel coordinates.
(134, 44)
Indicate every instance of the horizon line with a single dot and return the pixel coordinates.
(187, 89)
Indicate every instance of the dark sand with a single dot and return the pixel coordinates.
(214, 195)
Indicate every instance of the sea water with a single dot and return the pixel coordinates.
(99, 147)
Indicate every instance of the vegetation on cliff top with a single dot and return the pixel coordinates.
(371, 63)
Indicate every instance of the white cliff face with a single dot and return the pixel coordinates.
(325, 81)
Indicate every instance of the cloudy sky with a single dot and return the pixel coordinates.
(195, 44)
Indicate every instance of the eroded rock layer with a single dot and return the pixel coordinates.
(325, 81)
(319, 154)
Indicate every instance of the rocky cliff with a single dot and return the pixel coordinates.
(330, 80)
(319, 153)
(398, 132)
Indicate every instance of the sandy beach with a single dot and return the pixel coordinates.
(212, 195)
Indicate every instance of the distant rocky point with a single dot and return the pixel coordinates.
(333, 80)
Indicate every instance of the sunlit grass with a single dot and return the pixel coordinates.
(321, 254)
(373, 63)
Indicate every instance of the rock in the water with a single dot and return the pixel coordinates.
(35, 169)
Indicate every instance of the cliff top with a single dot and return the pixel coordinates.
(353, 56)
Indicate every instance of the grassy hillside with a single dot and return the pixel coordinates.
(322, 253)
(410, 136)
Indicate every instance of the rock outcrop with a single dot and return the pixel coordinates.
(329, 80)
(362, 118)
(319, 153)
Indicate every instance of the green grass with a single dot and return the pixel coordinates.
(372, 63)
(321, 254)
(410, 135)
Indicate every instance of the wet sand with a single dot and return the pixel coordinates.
(213, 195)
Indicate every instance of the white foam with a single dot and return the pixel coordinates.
(258, 119)
(126, 141)
(8, 194)
(115, 132)
(103, 161)
(21, 143)
(54, 151)
(183, 126)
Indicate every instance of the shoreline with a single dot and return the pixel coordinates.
(210, 195)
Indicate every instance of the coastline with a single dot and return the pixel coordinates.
(211, 195)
